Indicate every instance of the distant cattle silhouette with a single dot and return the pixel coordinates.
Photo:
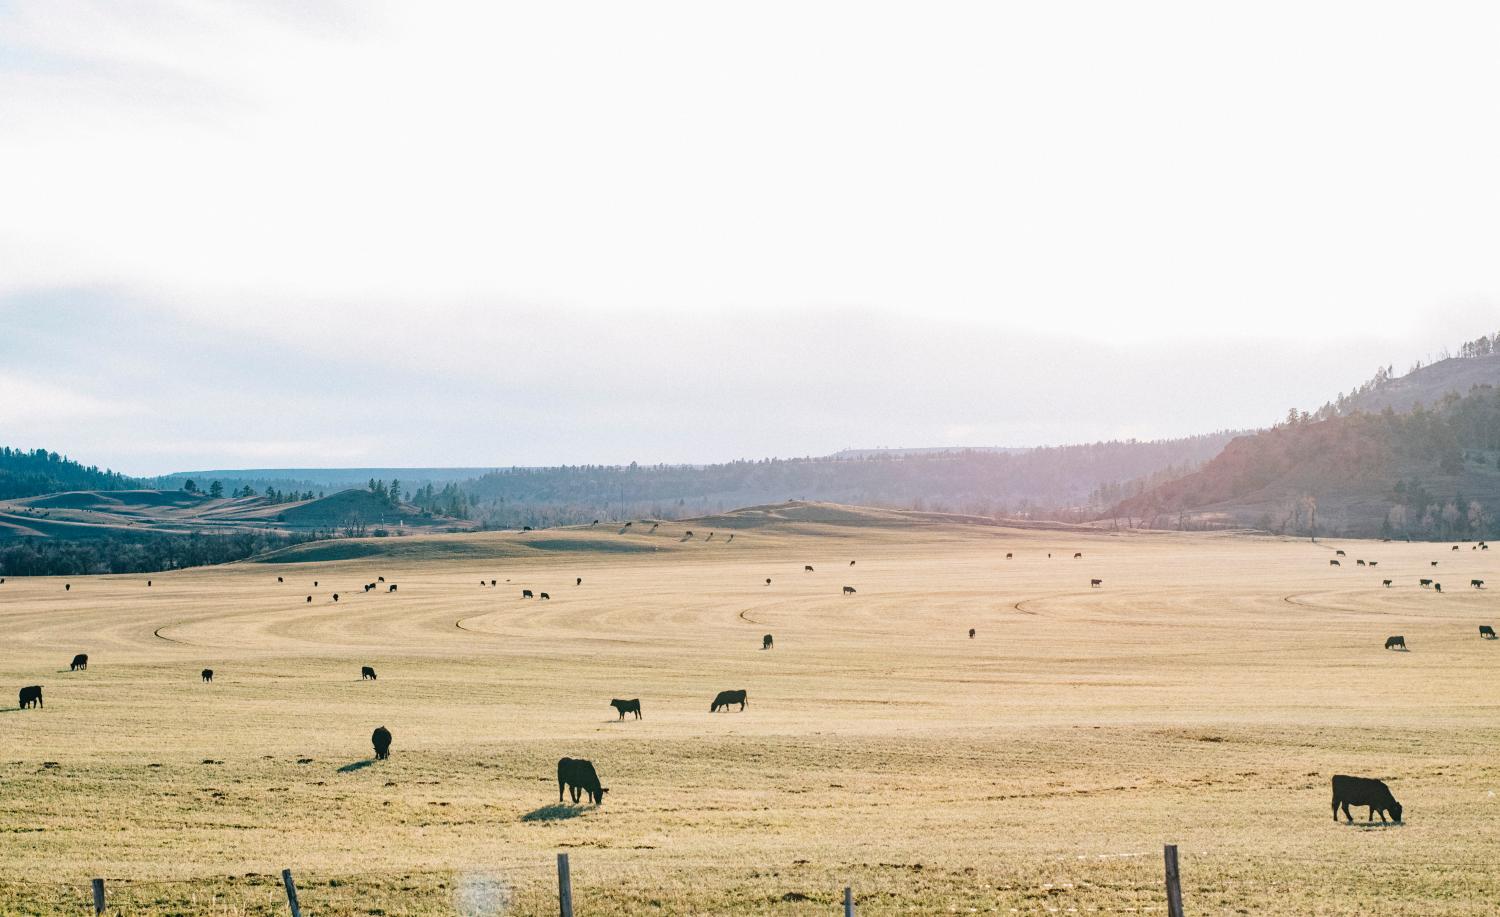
(768, 581)
(280, 580)
(369, 586)
(971, 633)
(653, 526)
(1334, 563)
(1434, 563)
(1438, 586)
(544, 596)
(623, 707)
(851, 563)
(1340, 553)
(1363, 791)
(81, 661)
(725, 698)
(594, 523)
(1477, 583)
(1373, 563)
(1424, 583)
(381, 739)
(67, 587)
(392, 589)
(1393, 642)
(1455, 547)
(367, 673)
(31, 697)
(379, 579)
(1486, 631)
(526, 594)
(848, 590)
(1095, 583)
(335, 596)
(580, 581)
(730, 538)
(710, 537)
(148, 582)
(208, 674)
(1482, 547)
(767, 643)
(1386, 583)
(309, 598)
(1008, 555)
(315, 584)
(1359, 563)
(1078, 555)
(579, 776)
(492, 582)
(525, 528)
(807, 568)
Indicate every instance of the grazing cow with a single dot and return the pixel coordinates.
(367, 673)
(1340, 553)
(309, 598)
(1486, 631)
(807, 568)
(1364, 791)
(392, 589)
(579, 776)
(1078, 555)
(1007, 555)
(851, 563)
(1393, 642)
(971, 633)
(492, 582)
(1477, 583)
(525, 528)
(1386, 583)
(1438, 586)
(1359, 563)
(725, 698)
(381, 739)
(653, 526)
(1095, 583)
(766, 643)
(623, 707)
(544, 596)
(710, 537)
(81, 661)
(379, 579)
(148, 583)
(67, 587)
(730, 538)
(1424, 583)
(768, 581)
(1434, 563)
(1374, 562)
(335, 596)
(580, 581)
(369, 586)
(315, 584)
(848, 590)
(208, 674)
(1334, 563)
(280, 580)
(1482, 547)
(31, 697)
(526, 594)
(1455, 547)
(594, 523)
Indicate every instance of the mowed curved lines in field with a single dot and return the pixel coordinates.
(1203, 694)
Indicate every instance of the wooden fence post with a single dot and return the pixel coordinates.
(291, 892)
(848, 901)
(98, 896)
(1174, 882)
(564, 887)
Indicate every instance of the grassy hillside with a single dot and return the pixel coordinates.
(26, 473)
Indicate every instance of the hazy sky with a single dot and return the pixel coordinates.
(317, 233)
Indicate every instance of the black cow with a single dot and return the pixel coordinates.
(1393, 642)
(380, 579)
(67, 587)
(1340, 553)
(367, 673)
(492, 582)
(1455, 547)
(848, 590)
(766, 643)
(851, 563)
(807, 568)
(725, 698)
(369, 586)
(335, 596)
(1007, 555)
(81, 661)
(1438, 586)
(1374, 563)
(1424, 583)
(1095, 583)
(392, 589)
(208, 674)
(31, 697)
(543, 596)
(579, 776)
(280, 580)
(381, 739)
(1364, 791)
(1386, 583)
(1078, 555)
(1434, 563)
(315, 584)
(1486, 631)
(1477, 583)
(1359, 563)
(1334, 563)
(623, 707)
(768, 581)
(148, 583)
(309, 598)
(526, 594)
(971, 633)
(580, 581)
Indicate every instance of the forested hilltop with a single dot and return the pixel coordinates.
(1433, 472)
(29, 473)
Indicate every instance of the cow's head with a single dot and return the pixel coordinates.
(1396, 811)
(599, 797)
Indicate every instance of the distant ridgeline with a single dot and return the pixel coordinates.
(1431, 472)
(30, 473)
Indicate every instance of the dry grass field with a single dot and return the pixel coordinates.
(1203, 696)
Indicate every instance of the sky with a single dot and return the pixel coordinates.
(315, 233)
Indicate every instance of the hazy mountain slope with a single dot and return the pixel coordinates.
(1427, 385)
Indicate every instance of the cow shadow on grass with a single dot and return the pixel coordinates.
(10, 709)
(353, 766)
(556, 812)
(1374, 825)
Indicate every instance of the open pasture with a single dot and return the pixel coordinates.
(1203, 695)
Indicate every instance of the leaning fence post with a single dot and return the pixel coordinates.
(1174, 882)
(848, 901)
(564, 887)
(291, 892)
(98, 896)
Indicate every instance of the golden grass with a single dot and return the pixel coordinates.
(1203, 696)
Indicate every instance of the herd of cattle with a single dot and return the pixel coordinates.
(579, 776)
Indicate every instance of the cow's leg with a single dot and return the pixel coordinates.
(1347, 817)
(1335, 808)
(560, 794)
